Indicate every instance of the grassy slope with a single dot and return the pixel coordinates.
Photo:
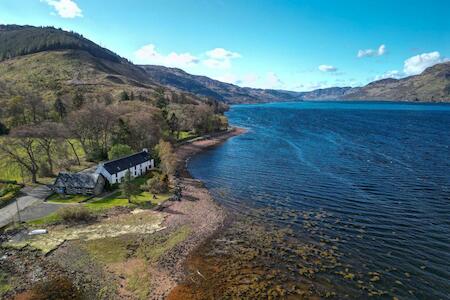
(65, 72)
(432, 85)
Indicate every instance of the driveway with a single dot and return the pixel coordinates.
(31, 200)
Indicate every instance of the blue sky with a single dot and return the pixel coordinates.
(295, 45)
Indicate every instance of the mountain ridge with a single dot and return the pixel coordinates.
(22, 42)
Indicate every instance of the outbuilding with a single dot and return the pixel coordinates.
(79, 183)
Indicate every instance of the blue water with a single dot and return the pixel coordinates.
(378, 173)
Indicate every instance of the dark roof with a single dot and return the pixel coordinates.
(124, 163)
(77, 180)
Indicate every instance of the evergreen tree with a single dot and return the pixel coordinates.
(127, 187)
(173, 123)
(60, 108)
(124, 96)
(78, 100)
(3, 129)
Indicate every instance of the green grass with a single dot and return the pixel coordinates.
(5, 285)
(47, 220)
(109, 202)
(186, 135)
(109, 250)
(117, 199)
(56, 198)
(152, 251)
(11, 171)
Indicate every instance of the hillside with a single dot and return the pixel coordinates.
(204, 86)
(230, 93)
(18, 40)
(432, 85)
(55, 63)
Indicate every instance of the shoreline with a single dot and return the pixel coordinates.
(198, 210)
(113, 262)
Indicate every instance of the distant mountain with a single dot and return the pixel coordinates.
(230, 93)
(54, 62)
(432, 85)
(204, 86)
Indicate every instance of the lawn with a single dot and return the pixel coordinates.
(9, 170)
(100, 204)
(184, 135)
(56, 198)
(49, 219)
(117, 199)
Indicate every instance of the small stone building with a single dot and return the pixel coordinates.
(79, 183)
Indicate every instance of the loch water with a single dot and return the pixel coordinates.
(330, 199)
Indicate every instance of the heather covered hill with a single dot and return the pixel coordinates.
(433, 84)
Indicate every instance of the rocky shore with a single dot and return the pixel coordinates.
(197, 209)
(131, 254)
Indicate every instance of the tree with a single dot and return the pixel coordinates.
(93, 126)
(60, 108)
(25, 109)
(78, 100)
(46, 135)
(173, 125)
(167, 157)
(127, 187)
(122, 132)
(157, 184)
(124, 96)
(119, 150)
(23, 151)
(3, 129)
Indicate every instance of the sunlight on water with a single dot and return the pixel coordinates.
(332, 200)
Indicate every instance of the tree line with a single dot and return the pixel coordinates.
(41, 137)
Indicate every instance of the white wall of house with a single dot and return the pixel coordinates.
(135, 171)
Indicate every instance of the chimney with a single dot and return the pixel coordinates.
(145, 150)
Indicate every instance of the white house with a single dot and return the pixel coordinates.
(137, 164)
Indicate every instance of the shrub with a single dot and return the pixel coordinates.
(74, 213)
(58, 288)
(8, 193)
(44, 170)
(119, 150)
(157, 184)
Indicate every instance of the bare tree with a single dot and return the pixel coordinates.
(23, 151)
(93, 125)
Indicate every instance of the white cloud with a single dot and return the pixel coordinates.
(149, 55)
(372, 52)
(389, 74)
(417, 64)
(220, 58)
(65, 8)
(272, 81)
(327, 68)
(217, 63)
(311, 86)
(220, 53)
(249, 80)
